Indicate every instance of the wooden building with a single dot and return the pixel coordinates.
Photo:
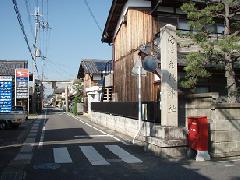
(129, 25)
(92, 72)
(132, 23)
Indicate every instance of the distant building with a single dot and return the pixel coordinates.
(59, 98)
(7, 68)
(92, 73)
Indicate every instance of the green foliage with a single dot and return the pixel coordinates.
(194, 70)
(229, 44)
(75, 101)
(78, 87)
(213, 50)
(78, 97)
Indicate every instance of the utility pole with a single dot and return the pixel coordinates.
(39, 23)
(36, 51)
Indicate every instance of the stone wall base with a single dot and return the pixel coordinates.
(163, 141)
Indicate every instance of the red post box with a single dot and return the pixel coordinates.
(198, 133)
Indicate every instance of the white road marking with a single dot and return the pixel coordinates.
(101, 131)
(61, 155)
(93, 156)
(92, 136)
(114, 137)
(229, 165)
(43, 131)
(122, 154)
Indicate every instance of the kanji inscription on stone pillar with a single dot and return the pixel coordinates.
(169, 98)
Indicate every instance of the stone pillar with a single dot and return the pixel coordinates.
(169, 97)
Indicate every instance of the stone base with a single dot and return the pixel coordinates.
(168, 152)
(202, 156)
(167, 148)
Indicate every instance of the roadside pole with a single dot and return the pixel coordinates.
(66, 98)
(139, 99)
(138, 71)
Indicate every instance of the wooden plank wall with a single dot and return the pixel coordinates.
(125, 85)
(139, 29)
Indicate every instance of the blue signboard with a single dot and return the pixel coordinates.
(5, 93)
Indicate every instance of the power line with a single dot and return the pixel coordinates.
(93, 16)
(60, 67)
(19, 18)
(29, 17)
(56, 71)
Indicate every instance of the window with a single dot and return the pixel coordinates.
(183, 26)
(199, 90)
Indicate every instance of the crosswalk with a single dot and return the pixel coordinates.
(62, 155)
(93, 156)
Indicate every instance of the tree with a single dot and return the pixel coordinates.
(78, 97)
(223, 49)
(78, 87)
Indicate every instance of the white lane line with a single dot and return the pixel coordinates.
(43, 131)
(61, 155)
(92, 136)
(114, 137)
(229, 165)
(235, 160)
(122, 154)
(100, 131)
(93, 156)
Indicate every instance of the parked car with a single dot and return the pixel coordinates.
(14, 118)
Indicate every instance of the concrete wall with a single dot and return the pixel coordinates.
(123, 125)
(224, 123)
(163, 141)
(224, 127)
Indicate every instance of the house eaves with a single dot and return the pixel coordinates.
(116, 16)
(91, 66)
(112, 20)
(7, 67)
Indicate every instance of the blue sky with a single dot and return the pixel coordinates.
(73, 35)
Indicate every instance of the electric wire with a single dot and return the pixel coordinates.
(92, 15)
(29, 17)
(19, 18)
(59, 67)
(56, 71)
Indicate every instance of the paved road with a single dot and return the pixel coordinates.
(59, 146)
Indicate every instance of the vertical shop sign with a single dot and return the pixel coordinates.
(21, 83)
(5, 93)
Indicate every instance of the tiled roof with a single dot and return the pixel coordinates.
(7, 67)
(92, 66)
